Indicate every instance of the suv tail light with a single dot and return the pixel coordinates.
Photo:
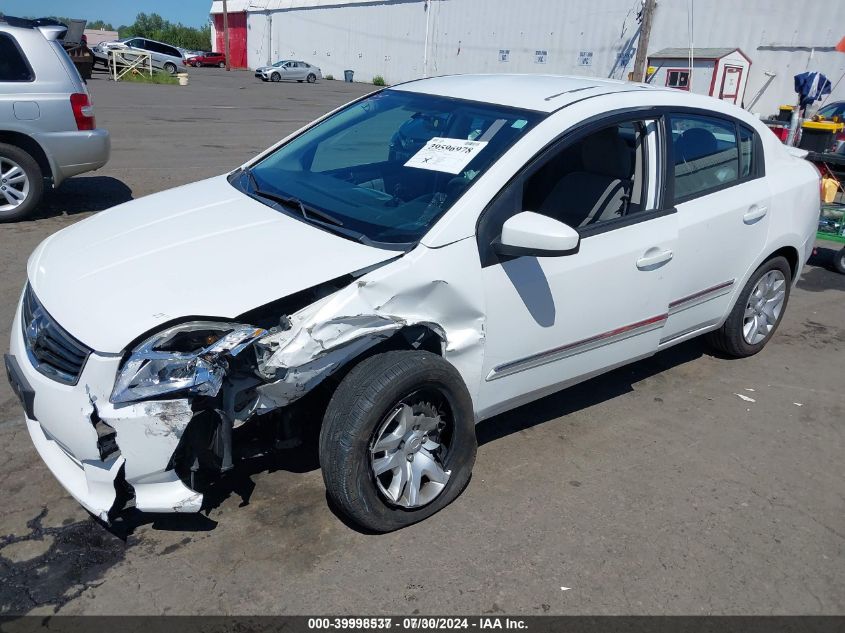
(83, 111)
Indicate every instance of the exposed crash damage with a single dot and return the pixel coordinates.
(172, 448)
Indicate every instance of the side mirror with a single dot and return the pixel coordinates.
(530, 233)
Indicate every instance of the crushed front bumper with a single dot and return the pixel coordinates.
(62, 421)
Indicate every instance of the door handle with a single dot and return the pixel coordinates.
(653, 258)
(754, 213)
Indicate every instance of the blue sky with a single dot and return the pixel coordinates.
(188, 12)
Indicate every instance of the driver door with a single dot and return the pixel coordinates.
(554, 321)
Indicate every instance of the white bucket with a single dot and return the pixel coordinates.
(183, 79)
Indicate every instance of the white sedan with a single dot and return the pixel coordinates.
(417, 261)
(289, 70)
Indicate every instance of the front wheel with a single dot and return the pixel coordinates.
(21, 183)
(758, 311)
(398, 440)
(170, 68)
(312, 78)
(275, 77)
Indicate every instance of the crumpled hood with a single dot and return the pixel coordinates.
(204, 250)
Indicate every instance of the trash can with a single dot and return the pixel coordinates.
(347, 76)
(819, 136)
(785, 113)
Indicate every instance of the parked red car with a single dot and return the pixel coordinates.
(208, 59)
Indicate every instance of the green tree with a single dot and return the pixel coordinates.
(99, 25)
(155, 27)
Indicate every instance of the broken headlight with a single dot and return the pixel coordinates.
(188, 358)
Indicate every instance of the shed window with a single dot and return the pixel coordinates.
(678, 79)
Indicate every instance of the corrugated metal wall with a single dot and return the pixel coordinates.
(237, 38)
(589, 37)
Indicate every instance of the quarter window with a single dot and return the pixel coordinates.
(746, 152)
(706, 156)
(13, 66)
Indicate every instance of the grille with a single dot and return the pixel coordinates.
(52, 351)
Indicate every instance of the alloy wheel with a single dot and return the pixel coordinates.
(14, 184)
(764, 306)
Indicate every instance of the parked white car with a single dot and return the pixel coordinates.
(417, 261)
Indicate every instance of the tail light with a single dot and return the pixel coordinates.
(83, 111)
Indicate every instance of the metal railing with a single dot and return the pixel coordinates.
(122, 62)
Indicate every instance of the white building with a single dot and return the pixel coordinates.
(406, 39)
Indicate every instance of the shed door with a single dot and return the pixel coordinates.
(731, 80)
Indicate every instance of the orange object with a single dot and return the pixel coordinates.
(841, 46)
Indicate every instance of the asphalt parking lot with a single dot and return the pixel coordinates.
(654, 489)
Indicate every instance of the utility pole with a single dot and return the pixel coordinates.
(226, 34)
(642, 45)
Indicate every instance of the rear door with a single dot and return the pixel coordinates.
(722, 198)
(298, 71)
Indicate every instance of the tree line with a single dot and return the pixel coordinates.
(154, 27)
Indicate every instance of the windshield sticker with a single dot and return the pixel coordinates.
(446, 154)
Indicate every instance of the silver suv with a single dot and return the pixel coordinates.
(47, 127)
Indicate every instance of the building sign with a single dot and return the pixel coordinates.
(585, 58)
(504, 54)
(540, 57)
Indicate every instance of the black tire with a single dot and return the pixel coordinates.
(170, 68)
(839, 261)
(360, 404)
(34, 176)
(275, 77)
(312, 78)
(729, 339)
(222, 65)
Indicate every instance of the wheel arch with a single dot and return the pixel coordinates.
(790, 254)
(421, 337)
(33, 148)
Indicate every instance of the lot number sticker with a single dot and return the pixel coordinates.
(446, 154)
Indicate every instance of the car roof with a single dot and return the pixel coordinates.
(543, 93)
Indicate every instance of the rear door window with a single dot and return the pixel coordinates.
(706, 154)
(13, 64)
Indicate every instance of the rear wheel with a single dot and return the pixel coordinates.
(21, 183)
(398, 440)
(275, 77)
(312, 78)
(758, 311)
(839, 261)
(222, 64)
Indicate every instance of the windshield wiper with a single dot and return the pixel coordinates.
(309, 213)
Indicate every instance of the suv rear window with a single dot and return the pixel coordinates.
(13, 66)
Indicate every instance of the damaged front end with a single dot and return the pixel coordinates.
(181, 396)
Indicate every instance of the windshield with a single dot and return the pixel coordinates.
(830, 110)
(386, 168)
